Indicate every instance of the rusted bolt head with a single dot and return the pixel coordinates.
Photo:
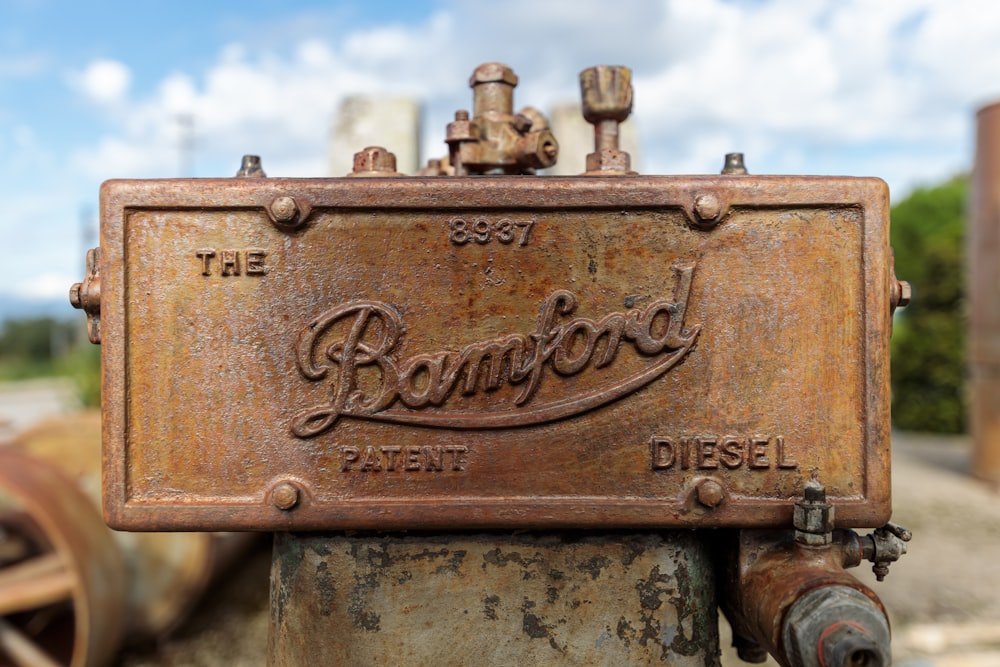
(74, 295)
(374, 159)
(493, 73)
(905, 294)
(284, 209)
(285, 496)
(707, 207)
(710, 493)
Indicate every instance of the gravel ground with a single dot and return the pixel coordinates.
(942, 596)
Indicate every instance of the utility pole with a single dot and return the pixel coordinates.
(984, 313)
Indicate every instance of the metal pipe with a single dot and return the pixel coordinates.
(797, 602)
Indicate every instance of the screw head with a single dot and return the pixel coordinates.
(284, 209)
(285, 496)
(710, 493)
(707, 207)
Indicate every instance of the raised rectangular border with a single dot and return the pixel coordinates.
(871, 509)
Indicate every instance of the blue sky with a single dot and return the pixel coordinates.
(94, 90)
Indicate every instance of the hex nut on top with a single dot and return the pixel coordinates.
(374, 161)
(493, 73)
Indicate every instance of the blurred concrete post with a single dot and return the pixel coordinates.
(984, 297)
(372, 120)
(488, 599)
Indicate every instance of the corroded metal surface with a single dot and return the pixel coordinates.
(766, 574)
(442, 353)
(492, 600)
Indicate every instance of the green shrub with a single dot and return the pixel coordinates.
(45, 347)
(929, 340)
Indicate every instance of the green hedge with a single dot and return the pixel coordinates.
(929, 340)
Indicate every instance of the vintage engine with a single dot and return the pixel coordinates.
(500, 418)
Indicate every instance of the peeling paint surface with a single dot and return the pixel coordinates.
(566, 599)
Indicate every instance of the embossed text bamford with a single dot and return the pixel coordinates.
(370, 332)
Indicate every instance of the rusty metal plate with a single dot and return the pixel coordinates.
(493, 352)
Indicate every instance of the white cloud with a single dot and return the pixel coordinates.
(882, 88)
(42, 257)
(104, 81)
(803, 85)
(277, 105)
(46, 286)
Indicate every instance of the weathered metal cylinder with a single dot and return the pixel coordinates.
(836, 626)
(984, 296)
(487, 599)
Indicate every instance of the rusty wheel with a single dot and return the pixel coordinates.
(62, 577)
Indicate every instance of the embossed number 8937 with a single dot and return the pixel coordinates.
(482, 230)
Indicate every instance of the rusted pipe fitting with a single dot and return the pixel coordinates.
(493, 89)
(374, 161)
(606, 92)
(773, 581)
(836, 626)
(495, 139)
(537, 150)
